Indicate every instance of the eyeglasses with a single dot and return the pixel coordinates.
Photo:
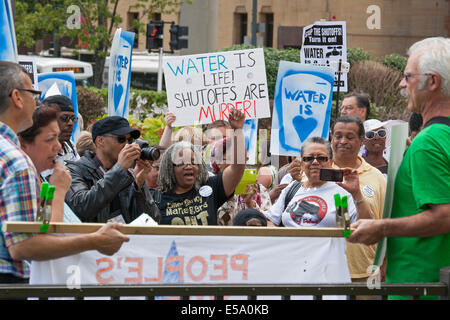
(36, 94)
(406, 75)
(371, 134)
(155, 167)
(121, 139)
(319, 158)
(66, 118)
(179, 165)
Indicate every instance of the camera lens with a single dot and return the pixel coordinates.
(150, 153)
(147, 152)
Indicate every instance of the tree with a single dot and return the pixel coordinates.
(99, 19)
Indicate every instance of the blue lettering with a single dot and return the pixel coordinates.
(221, 61)
(211, 64)
(175, 73)
(191, 65)
(203, 65)
(290, 95)
(308, 110)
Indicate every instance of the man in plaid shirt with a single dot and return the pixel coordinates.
(19, 188)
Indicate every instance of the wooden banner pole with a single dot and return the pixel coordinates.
(34, 227)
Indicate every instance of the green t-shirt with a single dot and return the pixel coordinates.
(423, 178)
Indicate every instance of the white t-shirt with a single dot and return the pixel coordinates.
(312, 207)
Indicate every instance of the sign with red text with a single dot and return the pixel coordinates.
(149, 259)
(202, 88)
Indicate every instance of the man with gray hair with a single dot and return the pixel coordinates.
(19, 188)
(418, 231)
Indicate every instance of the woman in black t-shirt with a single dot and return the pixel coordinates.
(186, 194)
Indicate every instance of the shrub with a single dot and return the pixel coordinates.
(90, 105)
(395, 61)
(381, 83)
(356, 54)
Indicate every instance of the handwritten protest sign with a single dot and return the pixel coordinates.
(302, 106)
(324, 42)
(202, 88)
(120, 73)
(61, 83)
(8, 46)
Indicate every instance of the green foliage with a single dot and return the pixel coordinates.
(395, 61)
(356, 54)
(151, 128)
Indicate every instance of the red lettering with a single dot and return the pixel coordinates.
(222, 111)
(254, 107)
(223, 267)
(247, 104)
(159, 278)
(203, 271)
(138, 270)
(175, 268)
(208, 112)
(100, 271)
(243, 266)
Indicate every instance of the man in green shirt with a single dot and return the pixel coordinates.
(419, 229)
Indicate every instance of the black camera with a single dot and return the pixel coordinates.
(148, 152)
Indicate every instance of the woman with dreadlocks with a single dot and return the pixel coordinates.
(187, 195)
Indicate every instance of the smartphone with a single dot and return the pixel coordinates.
(331, 175)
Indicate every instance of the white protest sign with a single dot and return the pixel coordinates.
(30, 65)
(302, 106)
(120, 73)
(202, 88)
(323, 43)
(204, 260)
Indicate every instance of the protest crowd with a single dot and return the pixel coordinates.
(191, 178)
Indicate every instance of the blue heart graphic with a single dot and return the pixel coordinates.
(304, 127)
(118, 90)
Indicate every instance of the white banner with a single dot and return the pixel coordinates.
(325, 42)
(203, 260)
(202, 88)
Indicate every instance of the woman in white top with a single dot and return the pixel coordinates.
(313, 203)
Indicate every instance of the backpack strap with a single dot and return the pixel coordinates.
(291, 193)
(442, 120)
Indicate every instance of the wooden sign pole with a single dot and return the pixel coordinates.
(35, 227)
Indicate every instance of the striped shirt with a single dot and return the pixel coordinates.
(19, 187)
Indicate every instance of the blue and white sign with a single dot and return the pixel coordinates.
(61, 83)
(120, 73)
(250, 137)
(302, 106)
(8, 46)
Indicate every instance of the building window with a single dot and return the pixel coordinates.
(268, 38)
(133, 16)
(240, 27)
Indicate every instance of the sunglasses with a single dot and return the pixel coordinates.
(121, 139)
(319, 158)
(36, 94)
(179, 165)
(371, 134)
(66, 118)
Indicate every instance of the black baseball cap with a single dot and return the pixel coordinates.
(115, 125)
(63, 103)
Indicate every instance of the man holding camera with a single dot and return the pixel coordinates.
(105, 186)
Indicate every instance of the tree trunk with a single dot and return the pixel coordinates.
(98, 71)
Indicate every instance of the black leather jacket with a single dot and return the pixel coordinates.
(91, 192)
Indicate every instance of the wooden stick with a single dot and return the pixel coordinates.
(34, 227)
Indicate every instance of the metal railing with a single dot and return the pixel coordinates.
(414, 290)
